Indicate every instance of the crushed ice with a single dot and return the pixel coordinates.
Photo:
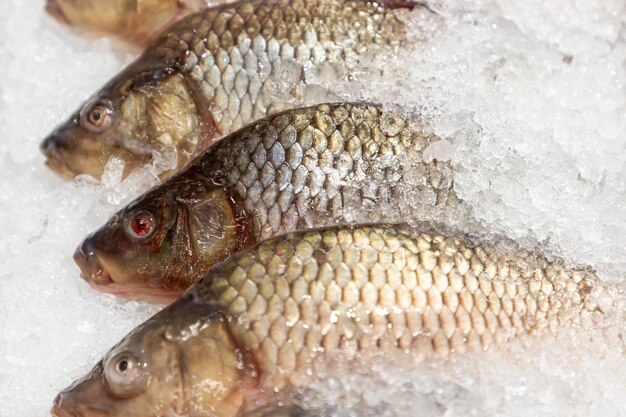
(116, 190)
(528, 99)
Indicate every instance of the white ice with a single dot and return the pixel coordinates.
(528, 97)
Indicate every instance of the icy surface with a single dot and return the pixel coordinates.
(531, 96)
(528, 97)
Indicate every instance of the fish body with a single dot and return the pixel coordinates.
(216, 71)
(308, 167)
(135, 21)
(265, 319)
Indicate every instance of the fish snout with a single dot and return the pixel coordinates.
(70, 150)
(64, 406)
(54, 10)
(52, 149)
(60, 140)
(49, 147)
(92, 269)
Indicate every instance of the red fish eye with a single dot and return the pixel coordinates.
(142, 224)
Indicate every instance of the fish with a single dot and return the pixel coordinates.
(307, 167)
(134, 21)
(267, 319)
(217, 70)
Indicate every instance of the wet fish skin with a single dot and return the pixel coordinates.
(217, 70)
(278, 308)
(308, 167)
(385, 287)
(136, 21)
(166, 360)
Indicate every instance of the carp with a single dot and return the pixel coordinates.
(217, 70)
(263, 321)
(135, 21)
(308, 167)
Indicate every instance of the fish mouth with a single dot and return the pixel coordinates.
(54, 10)
(60, 411)
(65, 406)
(100, 279)
(133, 292)
(60, 168)
(91, 268)
(55, 161)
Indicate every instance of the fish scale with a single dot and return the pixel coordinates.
(312, 167)
(315, 291)
(220, 69)
(236, 55)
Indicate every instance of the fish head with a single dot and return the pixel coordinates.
(138, 113)
(161, 243)
(136, 20)
(182, 361)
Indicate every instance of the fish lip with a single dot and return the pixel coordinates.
(135, 292)
(57, 411)
(100, 278)
(60, 168)
(91, 268)
(60, 406)
(54, 161)
(96, 274)
(54, 10)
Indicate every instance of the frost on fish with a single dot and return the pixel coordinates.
(218, 70)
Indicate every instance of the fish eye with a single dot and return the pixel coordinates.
(124, 375)
(97, 117)
(122, 365)
(141, 225)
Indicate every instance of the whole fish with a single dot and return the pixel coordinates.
(308, 167)
(137, 21)
(217, 70)
(268, 318)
